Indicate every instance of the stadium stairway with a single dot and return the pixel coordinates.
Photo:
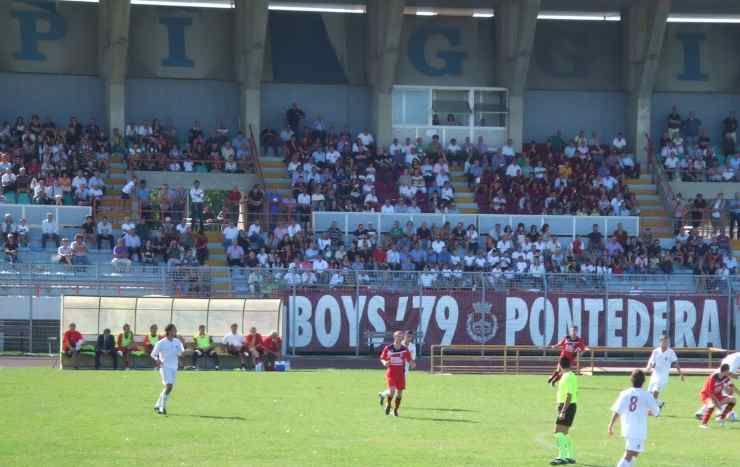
(275, 175)
(653, 214)
(112, 205)
(464, 197)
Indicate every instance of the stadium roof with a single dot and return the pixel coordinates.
(463, 7)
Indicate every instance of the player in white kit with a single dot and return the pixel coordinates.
(633, 406)
(660, 362)
(733, 360)
(408, 342)
(166, 355)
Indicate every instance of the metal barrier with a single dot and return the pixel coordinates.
(561, 226)
(531, 359)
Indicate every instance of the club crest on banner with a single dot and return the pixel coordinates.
(482, 324)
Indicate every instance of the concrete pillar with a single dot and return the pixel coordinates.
(385, 21)
(250, 30)
(516, 23)
(644, 31)
(113, 32)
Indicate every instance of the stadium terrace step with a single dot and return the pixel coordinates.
(213, 237)
(118, 182)
(216, 262)
(735, 244)
(655, 222)
(643, 191)
(654, 213)
(468, 210)
(117, 170)
(272, 163)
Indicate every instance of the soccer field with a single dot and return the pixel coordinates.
(329, 417)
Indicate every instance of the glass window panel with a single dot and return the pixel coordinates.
(115, 318)
(397, 106)
(188, 320)
(220, 321)
(117, 303)
(265, 322)
(417, 107)
(153, 311)
(86, 320)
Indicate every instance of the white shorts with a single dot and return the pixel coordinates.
(657, 382)
(169, 375)
(634, 444)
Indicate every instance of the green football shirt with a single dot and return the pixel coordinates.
(568, 384)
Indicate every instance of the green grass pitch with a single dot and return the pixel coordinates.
(329, 418)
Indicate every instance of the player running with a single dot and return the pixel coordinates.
(733, 360)
(570, 345)
(660, 362)
(166, 355)
(717, 393)
(567, 398)
(394, 357)
(408, 342)
(633, 405)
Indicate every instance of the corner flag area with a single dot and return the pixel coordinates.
(330, 418)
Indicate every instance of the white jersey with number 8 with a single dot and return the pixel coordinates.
(633, 405)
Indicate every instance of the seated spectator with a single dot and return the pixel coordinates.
(64, 252)
(21, 232)
(79, 251)
(104, 232)
(49, 230)
(132, 242)
(88, 230)
(72, 343)
(203, 346)
(121, 255)
(11, 249)
(106, 345)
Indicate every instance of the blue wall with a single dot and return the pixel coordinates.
(57, 96)
(572, 111)
(710, 108)
(339, 105)
(181, 101)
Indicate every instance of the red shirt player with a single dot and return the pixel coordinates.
(569, 346)
(394, 358)
(715, 394)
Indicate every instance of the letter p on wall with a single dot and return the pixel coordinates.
(37, 26)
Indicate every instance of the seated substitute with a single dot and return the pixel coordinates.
(273, 346)
(71, 344)
(255, 346)
(203, 346)
(125, 345)
(151, 339)
(106, 345)
(235, 344)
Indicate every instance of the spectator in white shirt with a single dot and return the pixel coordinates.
(366, 137)
(128, 188)
(231, 234)
(619, 142)
(49, 230)
(105, 232)
(387, 207)
(197, 196)
(508, 148)
(132, 242)
(21, 231)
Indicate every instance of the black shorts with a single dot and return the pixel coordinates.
(570, 415)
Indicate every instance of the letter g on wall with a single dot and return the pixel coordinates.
(452, 59)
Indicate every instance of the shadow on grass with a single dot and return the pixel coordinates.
(438, 409)
(210, 417)
(437, 419)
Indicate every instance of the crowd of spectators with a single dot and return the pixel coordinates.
(687, 150)
(152, 146)
(338, 171)
(45, 164)
(446, 252)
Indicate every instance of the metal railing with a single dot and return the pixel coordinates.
(139, 279)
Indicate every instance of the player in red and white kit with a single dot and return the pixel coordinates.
(717, 392)
(394, 357)
(570, 345)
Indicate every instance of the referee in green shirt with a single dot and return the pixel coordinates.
(567, 399)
